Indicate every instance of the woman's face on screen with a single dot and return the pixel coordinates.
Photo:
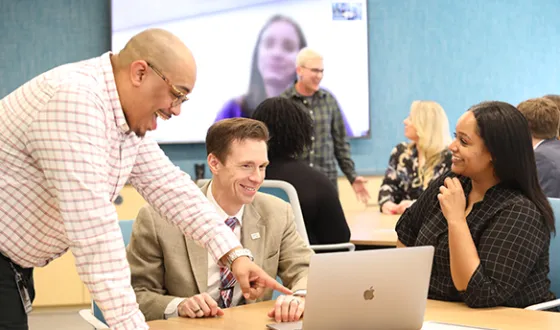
(278, 49)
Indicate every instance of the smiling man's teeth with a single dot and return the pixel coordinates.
(248, 188)
(162, 115)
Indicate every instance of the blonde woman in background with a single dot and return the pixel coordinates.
(413, 165)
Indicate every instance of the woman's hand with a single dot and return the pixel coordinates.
(389, 208)
(452, 200)
(403, 205)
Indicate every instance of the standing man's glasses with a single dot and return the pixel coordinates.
(315, 70)
(180, 97)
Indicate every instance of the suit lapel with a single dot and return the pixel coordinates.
(198, 259)
(253, 234)
(253, 237)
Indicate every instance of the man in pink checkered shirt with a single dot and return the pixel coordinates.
(69, 141)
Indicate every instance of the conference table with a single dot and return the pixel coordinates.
(371, 227)
(254, 316)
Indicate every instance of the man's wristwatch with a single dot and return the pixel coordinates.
(236, 254)
(300, 293)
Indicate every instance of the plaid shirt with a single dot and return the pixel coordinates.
(66, 151)
(330, 142)
(511, 239)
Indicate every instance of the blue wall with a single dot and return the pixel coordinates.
(455, 52)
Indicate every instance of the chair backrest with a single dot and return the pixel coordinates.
(126, 230)
(288, 193)
(202, 182)
(554, 274)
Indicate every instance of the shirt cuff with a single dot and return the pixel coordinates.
(403, 232)
(171, 309)
(352, 177)
(221, 244)
(479, 290)
(477, 279)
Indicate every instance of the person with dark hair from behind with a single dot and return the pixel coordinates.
(544, 120)
(488, 218)
(556, 99)
(291, 129)
(273, 67)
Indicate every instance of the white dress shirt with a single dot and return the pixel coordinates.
(66, 151)
(213, 269)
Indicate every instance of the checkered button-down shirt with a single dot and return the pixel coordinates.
(66, 151)
(511, 239)
(330, 142)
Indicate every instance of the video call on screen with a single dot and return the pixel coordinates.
(224, 38)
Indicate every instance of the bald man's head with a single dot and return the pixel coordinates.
(154, 73)
(163, 50)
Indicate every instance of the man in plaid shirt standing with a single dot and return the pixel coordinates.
(69, 141)
(330, 141)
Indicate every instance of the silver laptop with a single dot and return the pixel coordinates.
(375, 289)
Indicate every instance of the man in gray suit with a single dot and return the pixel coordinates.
(544, 121)
(173, 276)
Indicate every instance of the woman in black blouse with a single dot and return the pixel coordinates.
(412, 166)
(488, 219)
(291, 129)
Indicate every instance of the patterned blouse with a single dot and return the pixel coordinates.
(402, 180)
(511, 239)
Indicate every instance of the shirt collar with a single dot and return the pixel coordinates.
(538, 144)
(112, 93)
(219, 209)
(292, 92)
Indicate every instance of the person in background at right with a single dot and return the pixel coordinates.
(544, 120)
(488, 218)
(413, 165)
(556, 99)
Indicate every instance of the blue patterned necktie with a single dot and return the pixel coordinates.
(227, 280)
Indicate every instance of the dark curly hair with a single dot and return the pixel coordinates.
(290, 127)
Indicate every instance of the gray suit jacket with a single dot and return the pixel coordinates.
(547, 156)
(165, 265)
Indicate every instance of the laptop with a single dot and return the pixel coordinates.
(373, 289)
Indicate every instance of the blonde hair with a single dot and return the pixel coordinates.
(432, 128)
(307, 54)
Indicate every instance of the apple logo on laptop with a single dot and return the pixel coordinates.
(368, 294)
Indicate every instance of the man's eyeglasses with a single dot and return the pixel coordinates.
(180, 97)
(315, 70)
